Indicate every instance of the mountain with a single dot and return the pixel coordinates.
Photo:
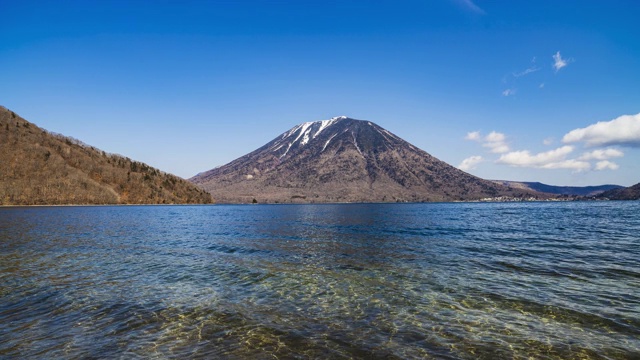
(628, 193)
(559, 190)
(41, 168)
(344, 160)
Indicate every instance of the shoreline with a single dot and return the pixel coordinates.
(328, 203)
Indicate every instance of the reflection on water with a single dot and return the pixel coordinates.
(458, 281)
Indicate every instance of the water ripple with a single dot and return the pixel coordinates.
(446, 281)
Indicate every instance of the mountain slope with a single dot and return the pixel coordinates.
(628, 193)
(559, 190)
(41, 168)
(343, 160)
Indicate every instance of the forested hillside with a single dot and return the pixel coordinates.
(38, 167)
(628, 193)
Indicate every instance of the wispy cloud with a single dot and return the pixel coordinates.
(559, 62)
(509, 92)
(512, 79)
(471, 6)
(548, 141)
(470, 163)
(527, 71)
(624, 130)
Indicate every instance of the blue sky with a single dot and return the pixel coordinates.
(504, 89)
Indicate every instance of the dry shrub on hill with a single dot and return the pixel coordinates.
(38, 167)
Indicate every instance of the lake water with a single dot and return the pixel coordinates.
(443, 281)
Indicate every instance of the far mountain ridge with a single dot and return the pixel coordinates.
(344, 160)
(559, 190)
(38, 167)
(628, 193)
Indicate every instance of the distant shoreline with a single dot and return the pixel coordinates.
(324, 203)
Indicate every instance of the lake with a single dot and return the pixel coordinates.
(445, 281)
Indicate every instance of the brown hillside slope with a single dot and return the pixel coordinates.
(628, 193)
(41, 168)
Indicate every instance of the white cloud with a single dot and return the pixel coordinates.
(509, 92)
(496, 142)
(624, 130)
(470, 163)
(473, 135)
(495, 137)
(601, 154)
(553, 159)
(606, 165)
(556, 159)
(559, 62)
(572, 164)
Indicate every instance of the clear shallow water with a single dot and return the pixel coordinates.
(450, 281)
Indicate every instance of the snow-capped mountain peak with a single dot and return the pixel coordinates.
(342, 159)
(303, 134)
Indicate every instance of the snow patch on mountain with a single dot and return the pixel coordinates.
(305, 132)
(304, 128)
(355, 142)
(326, 123)
(327, 143)
(305, 139)
(285, 153)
